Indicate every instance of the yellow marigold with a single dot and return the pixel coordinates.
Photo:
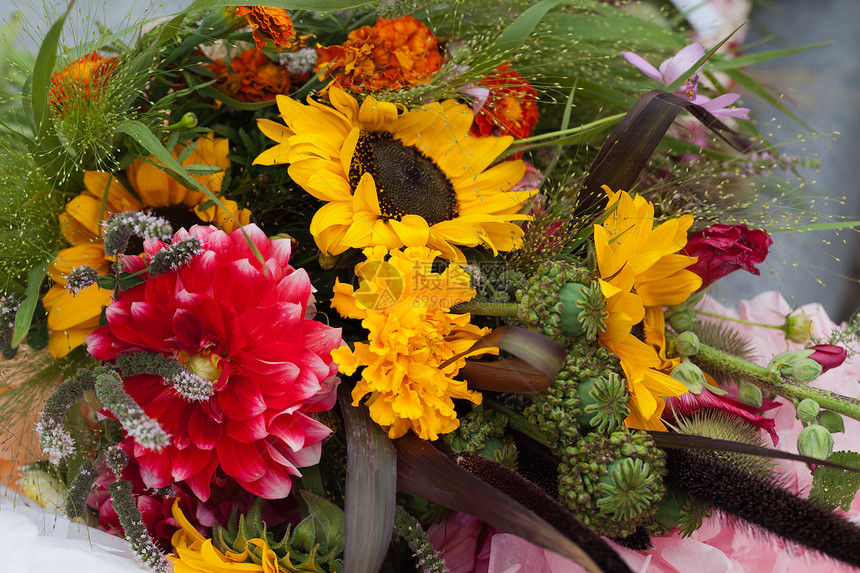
(193, 553)
(270, 24)
(641, 273)
(404, 306)
(72, 318)
(391, 54)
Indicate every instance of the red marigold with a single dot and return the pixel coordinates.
(270, 24)
(511, 107)
(391, 54)
(252, 77)
(243, 326)
(84, 78)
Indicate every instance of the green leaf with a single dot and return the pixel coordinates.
(759, 57)
(513, 36)
(24, 316)
(137, 131)
(753, 86)
(40, 87)
(209, 91)
(832, 488)
(371, 488)
(424, 471)
(328, 522)
(317, 5)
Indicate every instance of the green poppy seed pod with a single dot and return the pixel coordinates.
(683, 320)
(568, 296)
(690, 376)
(687, 344)
(749, 394)
(808, 410)
(832, 421)
(798, 328)
(815, 441)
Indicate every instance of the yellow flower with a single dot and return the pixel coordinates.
(71, 319)
(640, 273)
(404, 306)
(193, 553)
(391, 179)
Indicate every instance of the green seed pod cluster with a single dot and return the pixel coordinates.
(480, 432)
(558, 410)
(613, 483)
(541, 308)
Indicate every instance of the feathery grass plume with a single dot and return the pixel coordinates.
(427, 558)
(29, 231)
(763, 504)
(145, 431)
(191, 386)
(57, 442)
(80, 488)
(125, 505)
(723, 337)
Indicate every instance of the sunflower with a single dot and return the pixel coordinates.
(640, 273)
(404, 306)
(391, 179)
(72, 318)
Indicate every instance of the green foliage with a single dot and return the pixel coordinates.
(831, 487)
(314, 544)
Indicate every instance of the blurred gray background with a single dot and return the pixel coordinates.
(822, 86)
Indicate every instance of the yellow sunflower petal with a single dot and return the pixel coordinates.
(411, 229)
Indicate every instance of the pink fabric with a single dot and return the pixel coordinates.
(718, 546)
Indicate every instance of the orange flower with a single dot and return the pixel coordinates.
(270, 24)
(84, 78)
(253, 77)
(511, 107)
(389, 55)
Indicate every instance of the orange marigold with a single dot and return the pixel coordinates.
(251, 77)
(510, 108)
(270, 24)
(83, 79)
(390, 54)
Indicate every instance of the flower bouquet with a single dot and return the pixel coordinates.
(389, 286)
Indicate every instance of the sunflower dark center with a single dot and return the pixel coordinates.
(179, 217)
(407, 181)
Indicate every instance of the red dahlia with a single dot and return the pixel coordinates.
(247, 330)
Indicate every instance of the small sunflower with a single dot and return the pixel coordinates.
(641, 273)
(72, 318)
(391, 179)
(404, 306)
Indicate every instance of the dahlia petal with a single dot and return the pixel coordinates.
(247, 431)
(240, 237)
(197, 275)
(240, 282)
(275, 484)
(280, 251)
(201, 482)
(295, 287)
(245, 462)
(321, 338)
(241, 399)
(203, 430)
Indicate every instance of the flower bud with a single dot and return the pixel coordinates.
(690, 376)
(798, 328)
(808, 410)
(796, 366)
(568, 296)
(828, 355)
(832, 421)
(687, 344)
(749, 394)
(682, 320)
(815, 441)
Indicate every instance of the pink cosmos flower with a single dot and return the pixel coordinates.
(672, 69)
(242, 325)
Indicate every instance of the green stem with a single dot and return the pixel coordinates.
(572, 131)
(770, 381)
(518, 422)
(485, 308)
(739, 320)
